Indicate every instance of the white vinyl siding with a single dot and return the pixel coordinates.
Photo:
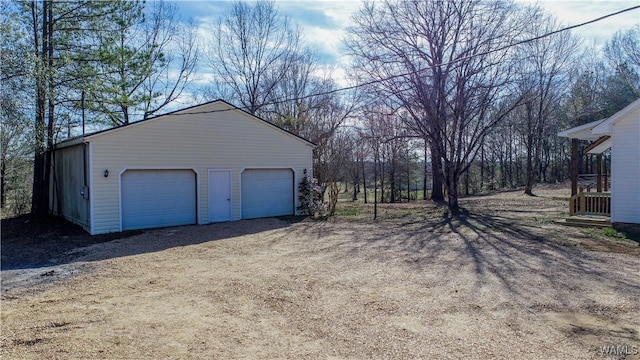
(267, 192)
(625, 169)
(203, 140)
(157, 198)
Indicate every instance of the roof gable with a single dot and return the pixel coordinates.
(596, 129)
(206, 108)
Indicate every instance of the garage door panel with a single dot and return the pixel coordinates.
(267, 192)
(158, 198)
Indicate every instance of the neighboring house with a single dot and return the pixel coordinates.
(621, 133)
(208, 163)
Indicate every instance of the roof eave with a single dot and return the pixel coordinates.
(599, 146)
(582, 132)
(70, 142)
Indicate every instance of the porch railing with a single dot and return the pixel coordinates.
(590, 203)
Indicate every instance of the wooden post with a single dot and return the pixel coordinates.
(574, 166)
(606, 176)
(599, 176)
(586, 164)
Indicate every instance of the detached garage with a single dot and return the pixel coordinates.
(208, 163)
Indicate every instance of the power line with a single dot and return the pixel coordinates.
(373, 82)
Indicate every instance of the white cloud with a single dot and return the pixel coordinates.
(324, 24)
(325, 41)
(579, 11)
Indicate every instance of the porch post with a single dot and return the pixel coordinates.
(599, 169)
(574, 166)
(606, 176)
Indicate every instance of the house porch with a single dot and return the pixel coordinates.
(590, 202)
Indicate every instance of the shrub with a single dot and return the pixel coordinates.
(310, 197)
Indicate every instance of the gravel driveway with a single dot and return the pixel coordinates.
(412, 285)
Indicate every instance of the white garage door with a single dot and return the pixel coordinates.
(158, 198)
(267, 192)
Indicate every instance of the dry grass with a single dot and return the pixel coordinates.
(503, 282)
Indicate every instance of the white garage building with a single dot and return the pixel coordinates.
(207, 163)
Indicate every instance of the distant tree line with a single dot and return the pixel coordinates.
(440, 104)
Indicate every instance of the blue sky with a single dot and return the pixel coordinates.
(324, 22)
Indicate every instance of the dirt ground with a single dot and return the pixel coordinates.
(503, 282)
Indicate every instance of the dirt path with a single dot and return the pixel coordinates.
(488, 287)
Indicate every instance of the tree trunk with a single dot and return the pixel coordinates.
(452, 191)
(364, 180)
(3, 181)
(39, 203)
(375, 186)
(482, 167)
(503, 169)
(51, 111)
(408, 180)
(528, 187)
(392, 181)
(424, 182)
(382, 178)
(355, 192)
(436, 170)
(529, 176)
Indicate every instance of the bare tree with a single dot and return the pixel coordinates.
(333, 142)
(587, 78)
(622, 58)
(302, 94)
(330, 162)
(176, 60)
(544, 69)
(624, 47)
(374, 137)
(445, 63)
(253, 49)
(305, 103)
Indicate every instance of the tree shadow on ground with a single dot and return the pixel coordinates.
(27, 244)
(521, 258)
